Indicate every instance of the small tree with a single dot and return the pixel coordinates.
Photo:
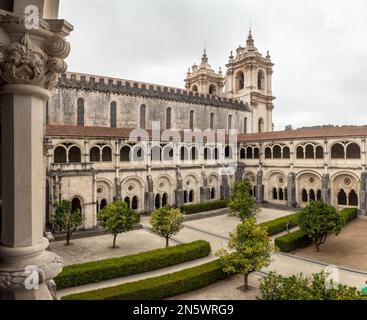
(242, 204)
(167, 222)
(65, 220)
(318, 286)
(318, 220)
(118, 218)
(250, 250)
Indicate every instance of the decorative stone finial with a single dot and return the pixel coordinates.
(250, 40)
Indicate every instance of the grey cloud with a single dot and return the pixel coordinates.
(318, 47)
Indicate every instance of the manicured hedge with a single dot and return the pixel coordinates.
(159, 287)
(203, 207)
(292, 241)
(297, 239)
(349, 214)
(97, 271)
(279, 225)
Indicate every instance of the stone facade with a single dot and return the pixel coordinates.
(95, 160)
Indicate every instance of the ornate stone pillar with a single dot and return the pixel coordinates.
(291, 190)
(363, 206)
(149, 196)
(224, 188)
(31, 60)
(326, 188)
(118, 189)
(204, 190)
(259, 187)
(179, 192)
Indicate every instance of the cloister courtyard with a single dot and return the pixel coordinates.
(345, 251)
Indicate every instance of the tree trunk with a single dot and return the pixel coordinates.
(317, 246)
(114, 241)
(68, 236)
(167, 242)
(245, 281)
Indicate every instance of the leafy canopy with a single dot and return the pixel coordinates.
(242, 204)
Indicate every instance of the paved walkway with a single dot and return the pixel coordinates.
(283, 264)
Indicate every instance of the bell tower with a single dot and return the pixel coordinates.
(203, 79)
(249, 79)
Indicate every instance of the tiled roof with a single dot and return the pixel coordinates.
(307, 133)
(123, 133)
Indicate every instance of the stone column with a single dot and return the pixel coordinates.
(224, 188)
(149, 196)
(259, 187)
(291, 190)
(117, 196)
(204, 190)
(363, 206)
(179, 192)
(31, 60)
(325, 188)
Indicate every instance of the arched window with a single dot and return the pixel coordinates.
(353, 151)
(135, 203)
(245, 125)
(337, 151)
(243, 154)
(207, 154)
(168, 118)
(229, 125)
(127, 201)
(186, 197)
(212, 89)
(261, 125)
(240, 81)
(310, 151)
(281, 194)
(75, 155)
(275, 194)
(142, 116)
(249, 153)
(125, 154)
(164, 200)
(228, 153)
(157, 201)
(211, 121)
(80, 112)
(213, 194)
(342, 198)
(268, 153)
(261, 80)
(286, 153)
(304, 196)
(76, 205)
(156, 153)
(277, 152)
(319, 152)
(191, 196)
(215, 154)
(353, 199)
(60, 155)
(312, 195)
(300, 153)
(256, 153)
(194, 154)
(286, 194)
(184, 154)
(192, 113)
(138, 154)
(103, 204)
(168, 154)
(194, 88)
(113, 115)
(254, 192)
(319, 195)
(106, 154)
(95, 154)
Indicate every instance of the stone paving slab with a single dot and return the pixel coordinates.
(99, 248)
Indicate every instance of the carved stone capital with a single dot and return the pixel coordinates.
(31, 57)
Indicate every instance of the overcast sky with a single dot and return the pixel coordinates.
(319, 47)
